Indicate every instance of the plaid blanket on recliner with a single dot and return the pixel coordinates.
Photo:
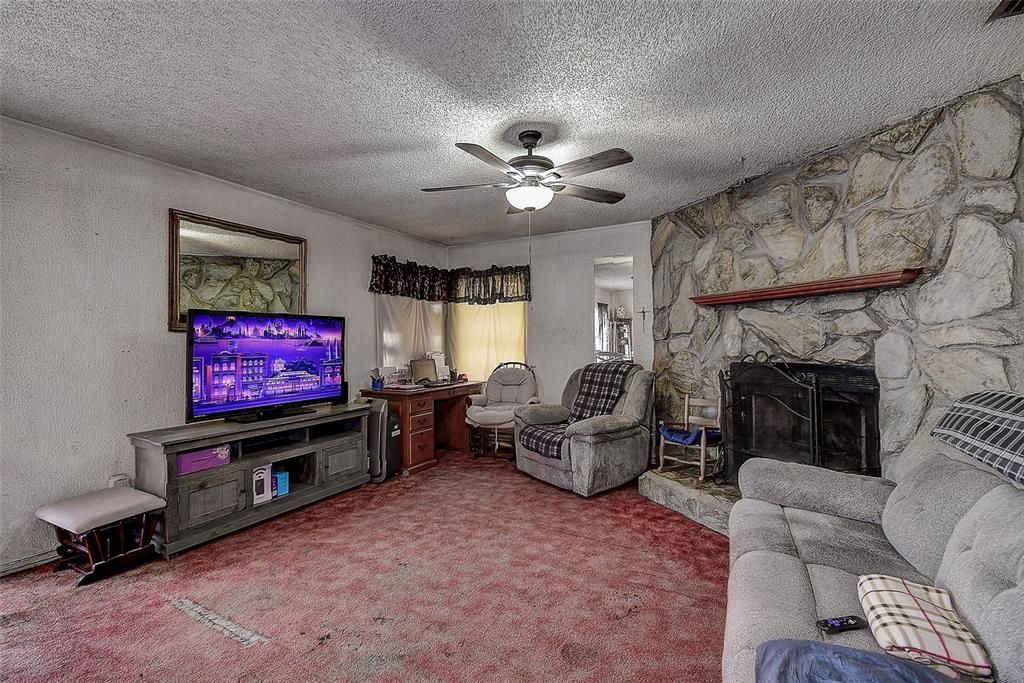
(600, 387)
(601, 384)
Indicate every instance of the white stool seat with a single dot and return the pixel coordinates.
(97, 508)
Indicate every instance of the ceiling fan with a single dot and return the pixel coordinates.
(533, 180)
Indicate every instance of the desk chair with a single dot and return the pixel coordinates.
(510, 384)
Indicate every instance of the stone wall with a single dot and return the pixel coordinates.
(940, 191)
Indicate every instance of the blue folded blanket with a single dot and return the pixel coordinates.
(811, 661)
(684, 437)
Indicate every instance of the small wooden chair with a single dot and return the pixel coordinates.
(683, 435)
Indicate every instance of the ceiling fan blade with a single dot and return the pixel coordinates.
(467, 187)
(591, 194)
(596, 162)
(488, 158)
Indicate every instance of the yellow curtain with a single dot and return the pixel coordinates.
(480, 337)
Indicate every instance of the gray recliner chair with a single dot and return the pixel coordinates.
(597, 453)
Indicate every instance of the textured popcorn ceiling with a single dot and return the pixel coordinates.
(354, 106)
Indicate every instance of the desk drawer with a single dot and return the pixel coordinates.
(421, 447)
(421, 405)
(417, 423)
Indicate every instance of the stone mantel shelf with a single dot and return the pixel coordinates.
(856, 283)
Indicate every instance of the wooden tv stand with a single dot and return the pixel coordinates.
(323, 451)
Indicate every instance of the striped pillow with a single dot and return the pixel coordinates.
(917, 622)
(988, 426)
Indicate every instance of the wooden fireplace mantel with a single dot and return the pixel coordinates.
(856, 283)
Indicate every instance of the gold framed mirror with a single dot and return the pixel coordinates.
(215, 264)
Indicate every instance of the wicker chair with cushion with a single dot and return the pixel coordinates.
(597, 452)
(490, 413)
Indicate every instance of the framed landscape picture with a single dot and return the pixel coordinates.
(215, 264)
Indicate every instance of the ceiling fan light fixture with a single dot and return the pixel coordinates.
(529, 196)
(534, 179)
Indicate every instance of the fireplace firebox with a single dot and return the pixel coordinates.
(810, 413)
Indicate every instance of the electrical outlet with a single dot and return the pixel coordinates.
(119, 480)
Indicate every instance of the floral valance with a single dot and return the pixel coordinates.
(497, 284)
(409, 279)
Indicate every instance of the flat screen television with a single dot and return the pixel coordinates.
(253, 365)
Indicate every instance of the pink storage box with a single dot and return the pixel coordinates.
(203, 459)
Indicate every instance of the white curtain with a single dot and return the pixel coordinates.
(480, 337)
(407, 328)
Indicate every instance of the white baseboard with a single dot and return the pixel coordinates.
(27, 562)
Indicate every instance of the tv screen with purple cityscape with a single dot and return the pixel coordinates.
(248, 361)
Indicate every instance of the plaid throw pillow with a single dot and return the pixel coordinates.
(989, 427)
(917, 622)
(600, 386)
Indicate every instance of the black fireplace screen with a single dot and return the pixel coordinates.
(816, 414)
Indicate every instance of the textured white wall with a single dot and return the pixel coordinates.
(84, 348)
(560, 325)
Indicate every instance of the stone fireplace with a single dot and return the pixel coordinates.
(811, 413)
(939, 191)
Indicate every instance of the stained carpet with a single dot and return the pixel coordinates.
(469, 571)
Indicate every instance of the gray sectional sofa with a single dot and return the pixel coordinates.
(801, 536)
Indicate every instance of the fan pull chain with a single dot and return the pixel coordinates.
(529, 242)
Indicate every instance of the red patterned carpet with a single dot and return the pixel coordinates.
(470, 571)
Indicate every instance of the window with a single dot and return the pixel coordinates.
(481, 337)
(407, 328)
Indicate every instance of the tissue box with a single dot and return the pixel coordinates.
(280, 483)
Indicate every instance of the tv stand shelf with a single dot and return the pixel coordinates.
(324, 452)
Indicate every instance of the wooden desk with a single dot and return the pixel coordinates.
(431, 419)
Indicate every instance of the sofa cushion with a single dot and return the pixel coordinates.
(818, 489)
(770, 596)
(835, 595)
(855, 547)
(926, 505)
(983, 568)
(757, 525)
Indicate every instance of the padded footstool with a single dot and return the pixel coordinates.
(104, 532)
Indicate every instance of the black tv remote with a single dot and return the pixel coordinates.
(840, 624)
